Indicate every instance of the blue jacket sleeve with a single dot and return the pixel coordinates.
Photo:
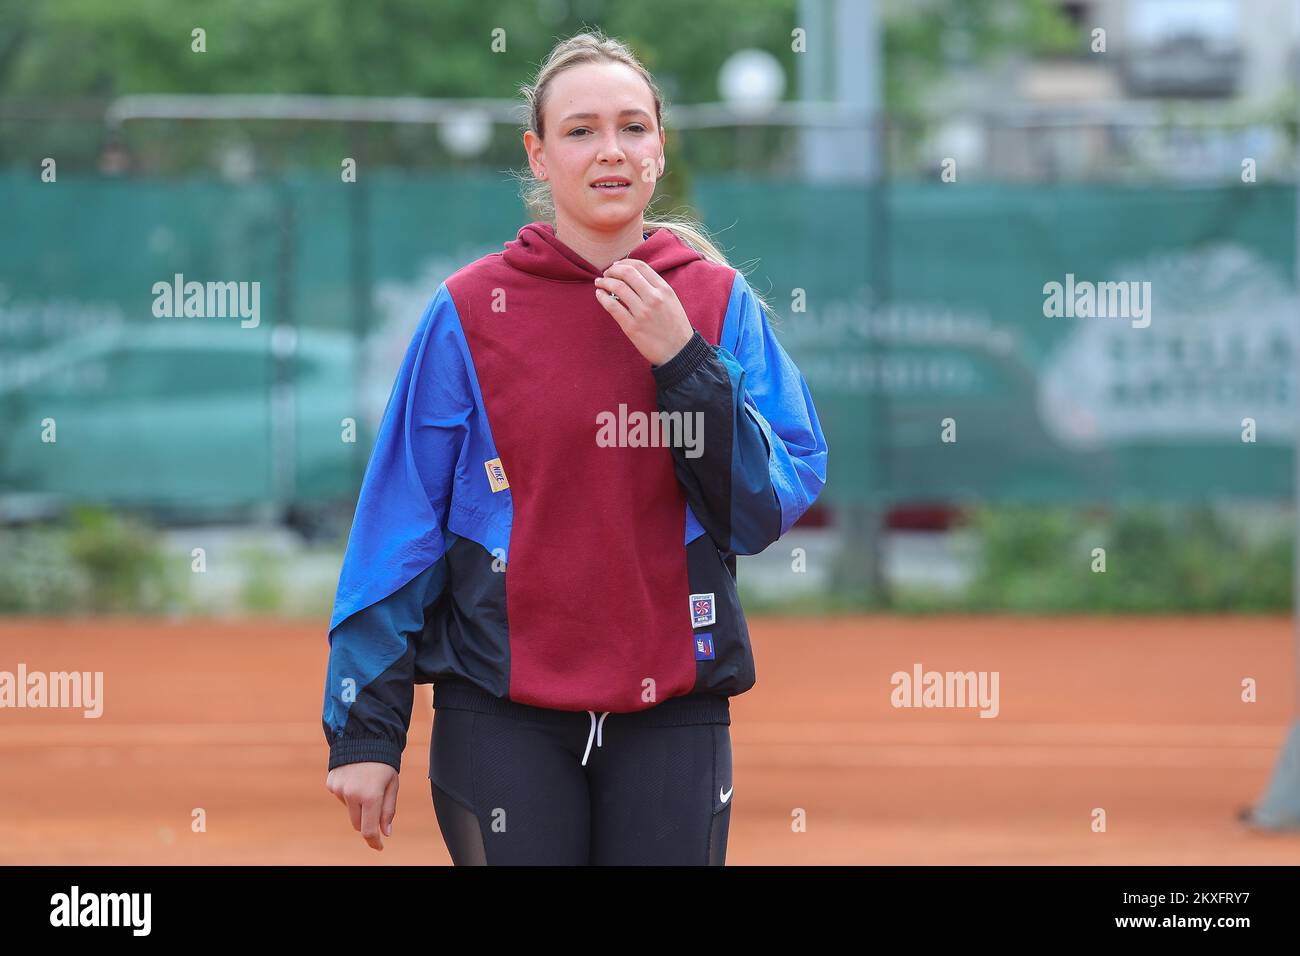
(762, 461)
(394, 568)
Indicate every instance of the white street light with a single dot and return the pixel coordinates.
(751, 81)
(466, 134)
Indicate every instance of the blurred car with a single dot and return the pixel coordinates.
(182, 417)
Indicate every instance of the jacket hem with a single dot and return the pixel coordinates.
(454, 693)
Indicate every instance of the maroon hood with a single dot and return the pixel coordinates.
(537, 251)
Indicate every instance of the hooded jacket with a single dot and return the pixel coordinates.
(551, 518)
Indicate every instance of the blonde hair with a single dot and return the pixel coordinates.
(593, 46)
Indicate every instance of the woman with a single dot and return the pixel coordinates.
(535, 539)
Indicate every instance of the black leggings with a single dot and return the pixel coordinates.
(516, 791)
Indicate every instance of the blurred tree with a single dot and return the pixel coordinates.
(383, 47)
(439, 48)
(92, 49)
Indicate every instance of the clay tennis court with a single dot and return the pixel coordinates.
(1142, 717)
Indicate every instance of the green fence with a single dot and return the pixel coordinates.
(917, 312)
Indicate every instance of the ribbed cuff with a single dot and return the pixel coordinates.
(345, 750)
(693, 354)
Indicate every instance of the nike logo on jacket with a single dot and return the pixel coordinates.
(495, 540)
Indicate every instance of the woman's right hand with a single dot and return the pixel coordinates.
(369, 791)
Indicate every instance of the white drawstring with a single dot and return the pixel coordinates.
(595, 731)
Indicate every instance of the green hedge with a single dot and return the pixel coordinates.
(90, 562)
(1157, 559)
(1026, 560)
(1034, 559)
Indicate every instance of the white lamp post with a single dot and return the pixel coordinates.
(751, 81)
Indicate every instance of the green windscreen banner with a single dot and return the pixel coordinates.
(212, 346)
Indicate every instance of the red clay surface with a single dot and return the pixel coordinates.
(1141, 717)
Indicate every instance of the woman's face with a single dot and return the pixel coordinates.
(599, 120)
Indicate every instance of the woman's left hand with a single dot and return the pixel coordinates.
(647, 309)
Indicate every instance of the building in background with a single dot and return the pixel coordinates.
(1105, 110)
